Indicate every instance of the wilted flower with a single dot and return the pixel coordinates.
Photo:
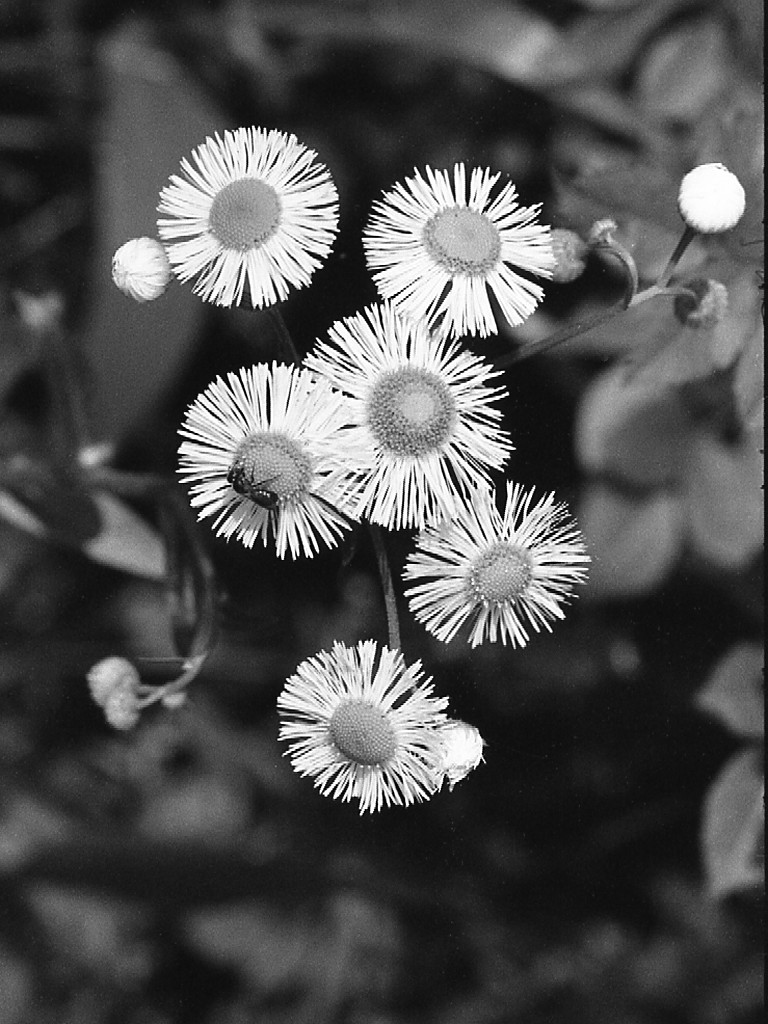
(253, 207)
(140, 269)
(439, 254)
(504, 573)
(364, 725)
(114, 685)
(269, 451)
(461, 751)
(705, 307)
(423, 405)
(570, 252)
(711, 199)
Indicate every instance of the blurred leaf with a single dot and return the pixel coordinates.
(732, 693)
(508, 39)
(733, 825)
(725, 500)
(634, 542)
(685, 68)
(190, 577)
(55, 498)
(672, 353)
(152, 117)
(623, 190)
(636, 432)
(126, 541)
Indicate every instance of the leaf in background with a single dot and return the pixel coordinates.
(152, 116)
(55, 500)
(732, 693)
(685, 69)
(638, 433)
(725, 500)
(634, 542)
(126, 541)
(733, 826)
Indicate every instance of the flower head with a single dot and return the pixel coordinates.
(439, 253)
(252, 207)
(364, 725)
(504, 573)
(140, 269)
(711, 199)
(461, 751)
(422, 404)
(268, 451)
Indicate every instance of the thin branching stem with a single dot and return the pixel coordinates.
(387, 585)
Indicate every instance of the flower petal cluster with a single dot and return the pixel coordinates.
(504, 573)
(425, 408)
(438, 249)
(268, 451)
(364, 725)
(254, 208)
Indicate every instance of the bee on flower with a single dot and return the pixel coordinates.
(269, 452)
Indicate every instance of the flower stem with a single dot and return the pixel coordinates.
(685, 240)
(283, 334)
(387, 586)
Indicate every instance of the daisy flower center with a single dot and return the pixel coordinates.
(267, 465)
(244, 214)
(411, 411)
(501, 575)
(462, 241)
(363, 733)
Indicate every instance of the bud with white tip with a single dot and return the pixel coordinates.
(711, 199)
(461, 750)
(141, 270)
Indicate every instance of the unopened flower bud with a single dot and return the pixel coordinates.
(570, 252)
(602, 232)
(461, 750)
(141, 270)
(121, 709)
(705, 307)
(711, 199)
(110, 675)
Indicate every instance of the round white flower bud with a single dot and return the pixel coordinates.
(461, 750)
(711, 199)
(140, 269)
(109, 675)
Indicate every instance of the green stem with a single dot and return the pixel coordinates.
(387, 586)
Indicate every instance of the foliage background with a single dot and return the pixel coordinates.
(601, 865)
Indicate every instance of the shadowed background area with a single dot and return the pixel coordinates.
(603, 864)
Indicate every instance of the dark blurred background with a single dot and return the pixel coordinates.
(180, 872)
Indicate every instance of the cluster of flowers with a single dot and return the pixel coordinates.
(389, 420)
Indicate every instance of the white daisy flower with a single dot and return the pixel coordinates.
(268, 451)
(252, 207)
(461, 751)
(364, 725)
(424, 407)
(439, 254)
(503, 573)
